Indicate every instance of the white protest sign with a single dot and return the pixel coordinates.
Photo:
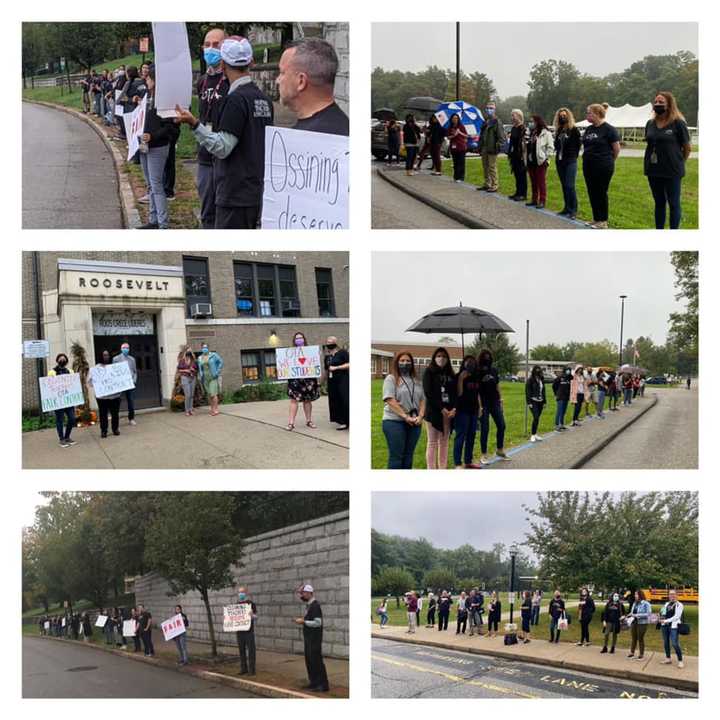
(129, 628)
(33, 349)
(307, 183)
(47, 625)
(111, 379)
(63, 622)
(173, 627)
(173, 67)
(237, 618)
(101, 620)
(60, 391)
(119, 109)
(298, 363)
(134, 126)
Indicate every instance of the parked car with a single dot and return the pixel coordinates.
(656, 380)
(509, 378)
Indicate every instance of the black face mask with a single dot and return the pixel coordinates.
(404, 368)
(470, 367)
(62, 363)
(331, 346)
(562, 120)
(659, 109)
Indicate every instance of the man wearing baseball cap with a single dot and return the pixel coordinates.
(237, 142)
(312, 638)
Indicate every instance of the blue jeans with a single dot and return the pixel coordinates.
(130, 399)
(670, 637)
(181, 644)
(498, 418)
(666, 193)
(383, 619)
(627, 396)
(560, 411)
(535, 615)
(401, 441)
(153, 166)
(60, 415)
(465, 431)
(601, 402)
(567, 172)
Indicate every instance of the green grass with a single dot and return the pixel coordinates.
(37, 422)
(653, 637)
(514, 410)
(631, 203)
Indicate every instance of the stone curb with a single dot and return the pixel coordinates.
(131, 216)
(678, 683)
(270, 691)
(591, 452)
(458, 215)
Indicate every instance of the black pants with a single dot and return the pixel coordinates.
(246, 647)
(317, 674)
(147, 642)
(431, 617)
(112, 408)
(666, 194)
(169, 173)
(443, 620)
(462, 622)
(493, 623)
(585, 630)
(237, 218)
(136, 642)
(458, 165)
(518, 169)
(536, 409)
(579, 400)
(597, 181)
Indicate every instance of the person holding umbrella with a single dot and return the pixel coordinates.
(440, 397)
(492, 406)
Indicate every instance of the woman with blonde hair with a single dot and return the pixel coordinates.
(668, 147)
(517, 154)
(567, 150)
(601, 146)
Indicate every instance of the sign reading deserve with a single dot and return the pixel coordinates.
(134, 125)
(298, 363)
(237, 618)
(111, 379)
(60, 391)
(307, 183)
(173, 627)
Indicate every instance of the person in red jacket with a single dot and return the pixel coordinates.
(458, 137)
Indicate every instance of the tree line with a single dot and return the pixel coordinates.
(83, 545)
(552, 84)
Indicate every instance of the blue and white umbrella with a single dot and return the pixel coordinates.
(470, 116)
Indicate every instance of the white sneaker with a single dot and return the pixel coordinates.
(538, 438)
(132, 422)
(533, 438)
(666, 661)
(484, 460)
(145, 199)
(681, 664)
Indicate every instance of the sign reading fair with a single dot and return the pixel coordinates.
(298, 363)
(60, 391)
(307, 183)
(134, 125)
(111, 379)
(173, 627)
(237, 618)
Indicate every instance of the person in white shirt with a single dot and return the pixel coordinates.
(670, 618)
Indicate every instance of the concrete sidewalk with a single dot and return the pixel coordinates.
(577, 445)
(563, 654)
(244, 435)
(278, 675)
(480, 210)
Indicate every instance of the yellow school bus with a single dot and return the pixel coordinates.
(685, 594)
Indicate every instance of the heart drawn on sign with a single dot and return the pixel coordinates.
(301, 360)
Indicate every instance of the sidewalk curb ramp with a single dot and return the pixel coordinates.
(593, 450)
(677, 683)
(454, 214)
(130, 214)
(270, 691)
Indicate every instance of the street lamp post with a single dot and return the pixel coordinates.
(513, 554)
(457, 60)
(622, 323)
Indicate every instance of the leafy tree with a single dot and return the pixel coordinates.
(439, 579)
(506, 355)
(193, 543)
(393, 581)
(549, 351)
(596, 353)
(683, 334)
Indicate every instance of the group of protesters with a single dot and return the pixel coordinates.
(530, 146)
(622, 610)
(230, 127)
(446, 402)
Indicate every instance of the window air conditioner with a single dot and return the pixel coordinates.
(201, 310)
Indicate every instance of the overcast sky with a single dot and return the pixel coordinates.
(566, 296)
(449, 520)
(506, 52)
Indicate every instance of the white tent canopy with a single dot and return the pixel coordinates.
(627, 116)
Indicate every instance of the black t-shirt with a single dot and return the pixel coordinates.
(244, 113)
(489, 382)
(663, 154)
(597, 143)
(468, 402)
(210, 90)
(145, 618)
(330, 119)
(312, 612)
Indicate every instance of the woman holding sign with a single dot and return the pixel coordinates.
(210, 366)
(337, 366)
(63, 431)
(304, 390)
(108, 405)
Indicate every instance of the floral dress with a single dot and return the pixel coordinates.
(306, 390)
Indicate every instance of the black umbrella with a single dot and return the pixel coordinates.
(384, 114)
(461, 319)
(423, 104)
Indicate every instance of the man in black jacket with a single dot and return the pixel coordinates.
(312, 638)
(561, 389)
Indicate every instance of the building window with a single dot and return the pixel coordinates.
(373, 365)
(266, 290)
(326, 299)
(258, 365)
(197, 281)
(386, 365)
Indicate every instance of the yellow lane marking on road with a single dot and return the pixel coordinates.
(455, 678)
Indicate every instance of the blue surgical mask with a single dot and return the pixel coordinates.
(490, 111)
(212, 56)
(125, 351)
(241, 596)
(206, 350)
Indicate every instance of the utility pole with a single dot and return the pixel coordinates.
(622, 323)
(457, 61)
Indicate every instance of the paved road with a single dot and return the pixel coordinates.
(68, 176)
(414, 671)
(664, 438)
(56, 670)
(394, 209)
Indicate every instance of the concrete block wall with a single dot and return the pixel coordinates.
(338, 35)
(272, 567)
